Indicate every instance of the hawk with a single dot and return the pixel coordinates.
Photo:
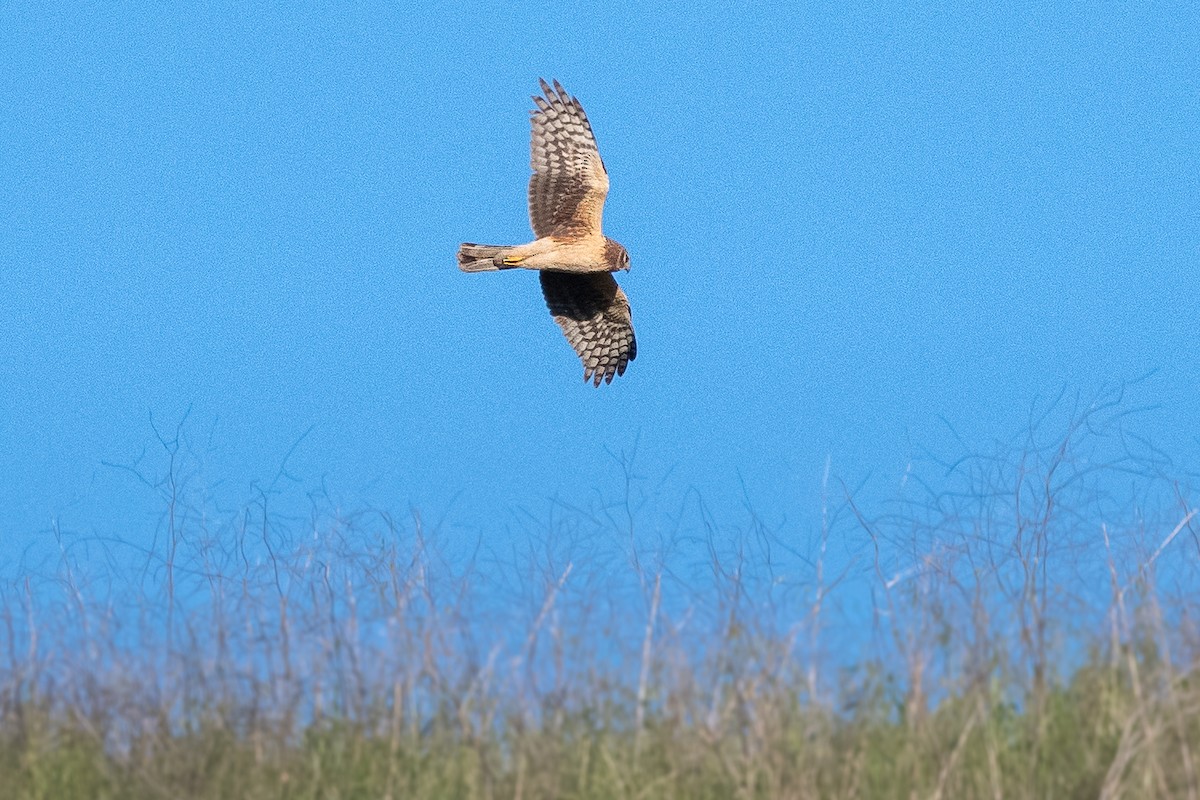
(575, 261)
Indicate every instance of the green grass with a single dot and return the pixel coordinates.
(966, 747)
(1022, 639)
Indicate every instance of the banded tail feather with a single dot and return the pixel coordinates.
(480, 257)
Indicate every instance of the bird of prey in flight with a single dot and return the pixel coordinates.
(574, 259)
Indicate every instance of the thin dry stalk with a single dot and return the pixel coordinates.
(644, 671)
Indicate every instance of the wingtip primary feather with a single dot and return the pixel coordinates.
(554, 92)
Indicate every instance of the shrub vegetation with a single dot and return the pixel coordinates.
(1011, 627)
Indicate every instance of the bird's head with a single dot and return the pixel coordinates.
(615, 256)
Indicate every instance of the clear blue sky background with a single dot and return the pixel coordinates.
(850, 223)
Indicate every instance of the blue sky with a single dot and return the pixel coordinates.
(857, 230)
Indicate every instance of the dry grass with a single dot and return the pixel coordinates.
(1014, 633)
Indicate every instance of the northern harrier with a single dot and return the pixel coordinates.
(574, 259)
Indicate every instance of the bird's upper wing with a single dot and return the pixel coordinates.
(594, 314)
(569, 182)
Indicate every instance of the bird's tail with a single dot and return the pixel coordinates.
(480, 257)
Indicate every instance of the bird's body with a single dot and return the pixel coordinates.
(563, 255)
(576, 260)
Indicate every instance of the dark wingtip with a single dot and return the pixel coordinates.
(541, 101)
(554, 91)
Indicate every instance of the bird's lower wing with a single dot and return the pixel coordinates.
(594, 315)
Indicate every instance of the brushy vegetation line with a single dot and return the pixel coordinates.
(1018, 632)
